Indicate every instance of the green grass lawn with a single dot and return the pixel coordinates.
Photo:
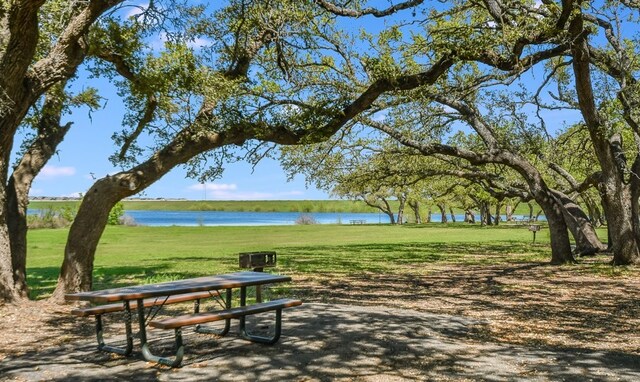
(133, 255)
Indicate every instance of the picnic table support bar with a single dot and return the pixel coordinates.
(253, 338)
(127, 325)
(227, 322)
(146, 352)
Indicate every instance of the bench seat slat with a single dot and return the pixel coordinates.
(110, 308)
(201, 318)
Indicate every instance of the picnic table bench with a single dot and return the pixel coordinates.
(157, 295)
(99, 310)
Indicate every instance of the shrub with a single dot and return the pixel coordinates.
(116, 214)
(305, 219)
(128, 221)
(52, 218)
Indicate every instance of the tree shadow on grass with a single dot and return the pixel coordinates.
(384, 257)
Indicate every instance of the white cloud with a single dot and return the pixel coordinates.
(214, 187)
(36, 192)
(56, 172)
(136, 10)
(198, 43)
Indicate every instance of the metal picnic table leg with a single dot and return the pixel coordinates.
(243, 324)
(147, 354)
(127, 325)
(227, 322)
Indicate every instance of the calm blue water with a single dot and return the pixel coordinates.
(226, 218)
(219, 218)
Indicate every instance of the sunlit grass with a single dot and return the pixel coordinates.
(136, 255)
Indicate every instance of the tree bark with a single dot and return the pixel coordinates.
(497, 216)
(50, 135)
(443, 212)
(415, 207)
(622, 218)
(20, 38)
(469, 217)
(509, 209)
(583, 232)
(402, 199)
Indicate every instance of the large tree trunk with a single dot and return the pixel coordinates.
(8, 291)
(19, 30)
(76, 273)
(485, 213)
(50, 134)
(443, 212)
(509, 211)
(622, 219)
(558, 232)
(584, 234)
(415, 207)
(497, 216)
(402, 199)
(383, 205)
(469, 217)
(22, 82)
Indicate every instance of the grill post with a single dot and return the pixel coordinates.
(257, 261)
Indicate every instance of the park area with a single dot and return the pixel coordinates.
(452, 190)
(380, 303)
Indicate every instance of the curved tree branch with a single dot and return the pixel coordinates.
(351, 12)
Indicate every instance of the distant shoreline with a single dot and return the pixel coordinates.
(166, 204)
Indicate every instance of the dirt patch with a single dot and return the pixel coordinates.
(533, 304)
(442, 322)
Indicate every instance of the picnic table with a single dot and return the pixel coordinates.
(148, 299)
(357, 221)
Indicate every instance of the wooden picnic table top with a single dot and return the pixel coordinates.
(215, 282)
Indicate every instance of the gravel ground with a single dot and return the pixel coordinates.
(326, 342)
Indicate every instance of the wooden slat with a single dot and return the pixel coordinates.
(201, 318)
(199, 284)
(110, 308)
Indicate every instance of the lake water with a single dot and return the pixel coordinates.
(228, 218)
(231, 218)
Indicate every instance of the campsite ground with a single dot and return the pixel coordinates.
(436, 321)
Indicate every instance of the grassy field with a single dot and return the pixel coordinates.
(132, 255)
